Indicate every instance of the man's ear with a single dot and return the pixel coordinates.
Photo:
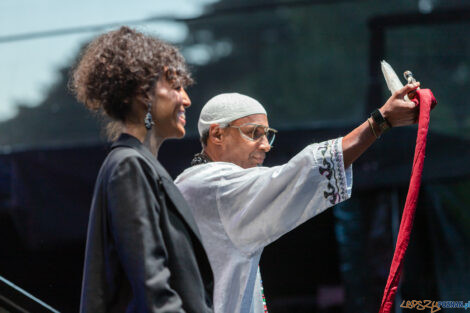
(216, 134)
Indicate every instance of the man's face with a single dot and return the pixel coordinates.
(239, 150)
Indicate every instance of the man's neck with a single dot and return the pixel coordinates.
(211, 153)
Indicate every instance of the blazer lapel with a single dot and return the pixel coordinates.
(181, 205)
(172, 191)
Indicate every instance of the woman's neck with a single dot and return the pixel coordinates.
(147, 137)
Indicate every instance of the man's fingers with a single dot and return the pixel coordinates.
(408, 88)
(415, 108)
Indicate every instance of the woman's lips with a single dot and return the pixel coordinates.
(182, 117)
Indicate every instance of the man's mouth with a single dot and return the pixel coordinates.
(259, 160)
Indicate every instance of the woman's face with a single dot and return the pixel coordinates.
(168, 109)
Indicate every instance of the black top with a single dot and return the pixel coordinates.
(144, 252)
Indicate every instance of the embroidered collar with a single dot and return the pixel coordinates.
(200, 158)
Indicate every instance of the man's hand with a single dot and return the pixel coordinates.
(398, 111)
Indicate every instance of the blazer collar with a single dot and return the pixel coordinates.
(126, 140)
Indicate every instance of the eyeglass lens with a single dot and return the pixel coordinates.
(259, 131)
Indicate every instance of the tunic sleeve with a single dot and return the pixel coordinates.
(134, 222)
(259, 205)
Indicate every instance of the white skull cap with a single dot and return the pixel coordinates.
(225, 108)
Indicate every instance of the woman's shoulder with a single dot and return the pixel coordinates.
(126, 158)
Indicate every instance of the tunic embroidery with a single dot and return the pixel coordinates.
(200, 158)
(265, 307)
(331, 160)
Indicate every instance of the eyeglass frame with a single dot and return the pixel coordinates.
(265, 128)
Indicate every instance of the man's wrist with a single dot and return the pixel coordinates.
(384, 113)
(379, 117)
(374, 128)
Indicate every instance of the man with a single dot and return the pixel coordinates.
(240, 207)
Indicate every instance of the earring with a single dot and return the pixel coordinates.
(148, 118)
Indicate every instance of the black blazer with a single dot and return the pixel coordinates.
(144, 251)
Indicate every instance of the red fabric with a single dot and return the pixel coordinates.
(425, 99)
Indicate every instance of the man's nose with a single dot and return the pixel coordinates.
(264, 144)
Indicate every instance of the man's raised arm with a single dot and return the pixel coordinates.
(397, 112)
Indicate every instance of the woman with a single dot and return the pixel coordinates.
(143, 249)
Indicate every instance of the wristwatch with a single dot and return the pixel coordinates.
(380, 120)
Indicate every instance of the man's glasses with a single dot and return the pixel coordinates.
(255, 132)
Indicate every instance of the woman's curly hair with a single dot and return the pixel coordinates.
(120, 65)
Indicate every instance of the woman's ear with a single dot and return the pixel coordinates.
(138, 110)
(139, 105)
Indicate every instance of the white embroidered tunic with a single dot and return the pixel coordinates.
(240, 211)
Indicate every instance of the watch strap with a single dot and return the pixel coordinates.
(380, 120)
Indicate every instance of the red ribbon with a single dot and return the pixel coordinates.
(426, 101)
